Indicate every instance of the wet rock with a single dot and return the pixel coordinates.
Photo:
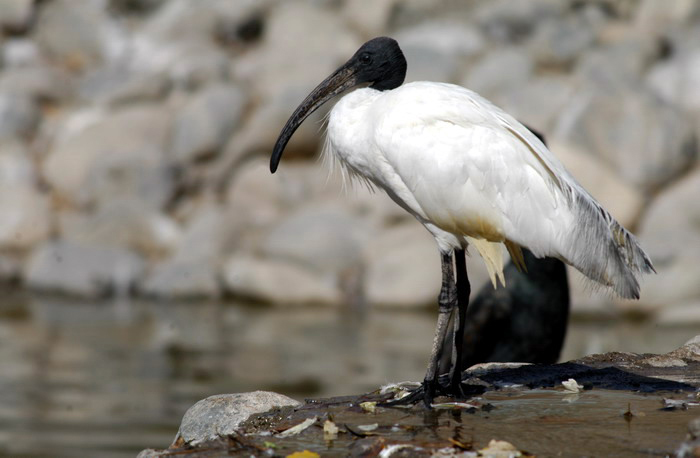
(499, 70)
(278, 281)
(220, 415)
(175, 279)
(202, 126)
(93, 161)
(436, 51)
(82, 270)
(609, 126)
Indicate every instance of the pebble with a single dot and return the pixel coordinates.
(220, 415)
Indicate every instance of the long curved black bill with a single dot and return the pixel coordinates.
(342, 79)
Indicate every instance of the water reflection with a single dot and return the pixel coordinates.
(108, 379)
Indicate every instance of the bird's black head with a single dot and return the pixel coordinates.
(378, 62)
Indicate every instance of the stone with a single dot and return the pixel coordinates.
(500, 70)
(209, 234)
(616, 66)
(115, 84)
(33, 83)
(10, 268)
(677, 80)
(92, 161)
(258, 197)
(76, 37)
(19, 116)
(220, 415)
(609, 126)
(622, 200)
(675, 207)
(371, 17)
(20, 52)
(655, 18)
(537, 102)
(82, 270)
(503, 20)
(25, 217)
(182, 280)
(306, 60)
(278, 281)
(181, 20)
(436, 50)
(674, 284)
(124, 224)
(403, 268)
(321, 238)
(16, 15)
(25, 212)
(558, 42)
(202, 126)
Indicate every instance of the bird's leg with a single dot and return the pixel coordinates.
(446, 301)
(463, 291)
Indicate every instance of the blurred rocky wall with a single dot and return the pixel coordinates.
(135, 137)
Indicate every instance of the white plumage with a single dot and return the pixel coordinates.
(471, 173)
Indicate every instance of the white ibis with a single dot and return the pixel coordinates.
(472, 175)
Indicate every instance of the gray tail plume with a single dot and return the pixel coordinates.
(605, 251)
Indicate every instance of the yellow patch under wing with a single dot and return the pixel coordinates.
(516, 255)
(492, 254)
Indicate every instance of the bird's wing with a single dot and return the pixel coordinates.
(471, 171)
(474, 170)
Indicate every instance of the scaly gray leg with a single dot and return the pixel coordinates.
(463, 291)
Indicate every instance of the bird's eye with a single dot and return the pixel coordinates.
(365, 58)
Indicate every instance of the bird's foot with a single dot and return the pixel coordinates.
(427, 392)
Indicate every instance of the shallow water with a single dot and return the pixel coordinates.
(546, 422)
(111, 378)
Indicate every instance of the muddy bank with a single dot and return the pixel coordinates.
(619, 404)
